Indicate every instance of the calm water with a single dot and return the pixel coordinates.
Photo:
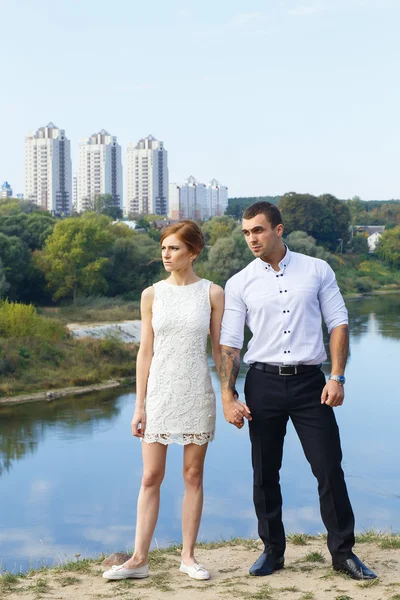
(70, 470)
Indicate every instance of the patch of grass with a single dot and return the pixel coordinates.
(263, 593)
(8, 581)
(314, 557)
(307, 596)
(291, 588)
(160, 581)
(368, 583)
(395, 597)
(68, 580)
(344, 598)
(77, 566)
(39, 587)
(390, 543)
(298, 539)
(157, 558)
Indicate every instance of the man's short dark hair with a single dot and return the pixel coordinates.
(271, 212)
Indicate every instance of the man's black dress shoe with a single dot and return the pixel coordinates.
(355, 568)
(266, 564)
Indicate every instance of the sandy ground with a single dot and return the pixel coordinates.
(302, 578)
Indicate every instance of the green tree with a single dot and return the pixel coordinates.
(16, 262)
(135, 263)
(225, 258)
(32, 228)
(218, 227)
(300, 241)
(325, 218)
(389, 247)
(3, 283)
(105, 204)
(75, 257)
(236, 206)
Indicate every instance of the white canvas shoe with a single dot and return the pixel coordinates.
(195, 571)
(120, 572)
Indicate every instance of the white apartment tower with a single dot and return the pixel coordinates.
(74, 191)
(217, 198)
(99, 170)
(48, 169)
(197, 201)
(147, 177)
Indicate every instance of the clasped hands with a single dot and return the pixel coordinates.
(236, 412)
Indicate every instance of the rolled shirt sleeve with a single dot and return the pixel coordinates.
(233, 321)
(332, 305)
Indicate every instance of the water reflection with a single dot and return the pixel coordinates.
(23, 427)
(70, 470)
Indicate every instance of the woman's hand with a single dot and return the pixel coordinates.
(138, 422)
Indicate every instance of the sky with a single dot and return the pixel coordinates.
(266, 96)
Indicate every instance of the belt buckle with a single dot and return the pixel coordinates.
(282, 367)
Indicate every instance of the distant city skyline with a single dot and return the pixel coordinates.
(269, 97)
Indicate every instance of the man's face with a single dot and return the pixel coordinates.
(261, 237)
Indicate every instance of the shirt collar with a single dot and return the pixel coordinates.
(283, 263)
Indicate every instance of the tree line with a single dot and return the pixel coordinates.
(44, 259)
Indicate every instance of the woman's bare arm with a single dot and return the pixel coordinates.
(143, 361)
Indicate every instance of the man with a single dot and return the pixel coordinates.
(281, 296)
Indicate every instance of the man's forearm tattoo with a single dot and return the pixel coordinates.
(229, 369)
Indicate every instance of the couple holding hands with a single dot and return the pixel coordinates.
(281, 296)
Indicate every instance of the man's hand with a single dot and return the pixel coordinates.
(235, 412)
(139, 418)
(332, 394)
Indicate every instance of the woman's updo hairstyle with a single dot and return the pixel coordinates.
(188, 232)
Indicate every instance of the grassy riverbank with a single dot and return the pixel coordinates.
(308, 575)
(37, 354)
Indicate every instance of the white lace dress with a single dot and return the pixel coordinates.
(180, 400)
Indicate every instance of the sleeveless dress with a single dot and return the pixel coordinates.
(180, 400)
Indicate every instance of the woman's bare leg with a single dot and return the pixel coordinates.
(154, 458)
(193, 465)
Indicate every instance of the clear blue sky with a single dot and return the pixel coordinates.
(266, 96)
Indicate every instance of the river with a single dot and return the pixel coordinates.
(70, 470)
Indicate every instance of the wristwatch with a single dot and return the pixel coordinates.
(339, 378)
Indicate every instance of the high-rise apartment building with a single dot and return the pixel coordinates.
(195, 200)
(217, 198)
(48, 169)
(175, 213)
(147, 177)
(75, 191)
(99, 170)
(6, 190)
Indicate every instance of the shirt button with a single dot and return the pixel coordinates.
(288, 311)
(285, 290)
(288, 331)
(276, 275)
(282, 275)
(284, 352)
(284, 311)
(288, 351)
(285, 332)
(280, 292)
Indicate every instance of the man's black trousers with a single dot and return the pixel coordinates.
(272, 399)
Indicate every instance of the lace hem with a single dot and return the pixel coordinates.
(179, 438)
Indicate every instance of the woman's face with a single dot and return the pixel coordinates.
(175, 254)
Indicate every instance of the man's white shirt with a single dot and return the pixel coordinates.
(283, 310)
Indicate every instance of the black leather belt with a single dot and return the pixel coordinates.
(285, 369)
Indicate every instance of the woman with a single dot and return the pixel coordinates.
(175, 402)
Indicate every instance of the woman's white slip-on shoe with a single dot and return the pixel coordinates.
(120, 572)
(195, 571)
